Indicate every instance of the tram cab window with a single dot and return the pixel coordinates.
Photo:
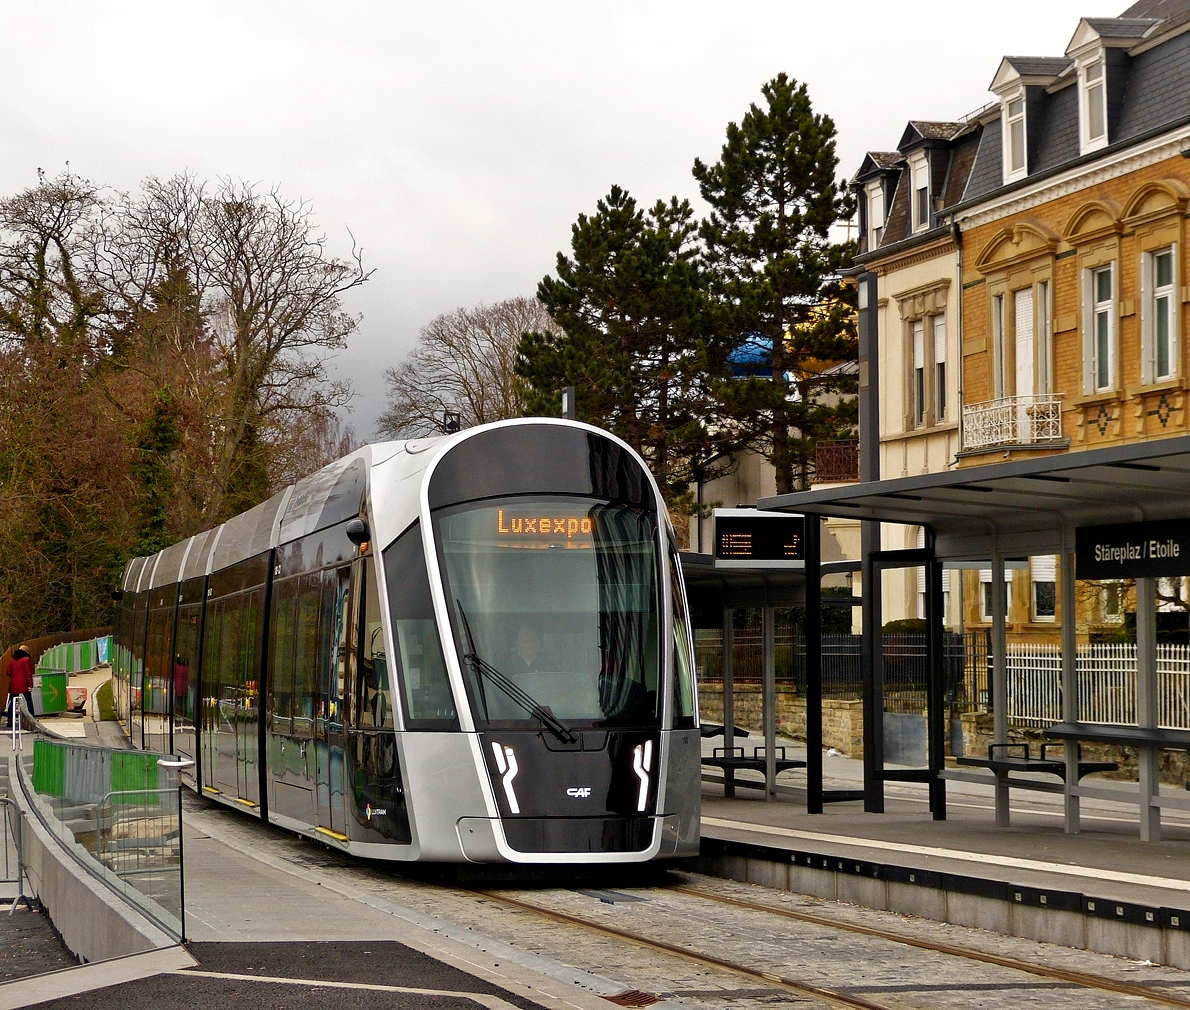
(374, 707)
(683, 674)
(421, 670)
(554, 602)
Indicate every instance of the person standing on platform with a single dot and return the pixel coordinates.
(20, 682)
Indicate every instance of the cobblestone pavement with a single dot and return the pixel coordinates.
(882, 972)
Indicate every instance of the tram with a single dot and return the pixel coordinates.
(470, 648)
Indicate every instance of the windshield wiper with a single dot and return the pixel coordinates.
(514, 691)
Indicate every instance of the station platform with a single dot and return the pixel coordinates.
(1105, 861)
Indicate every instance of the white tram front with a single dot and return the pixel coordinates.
(468, 648)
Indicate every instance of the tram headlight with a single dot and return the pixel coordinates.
(642, 763)
(506, 763)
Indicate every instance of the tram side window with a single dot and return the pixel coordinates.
(683, 675)
(285, 600)
(306, 654)
(330, 656)
(425, 690)
(375, 709)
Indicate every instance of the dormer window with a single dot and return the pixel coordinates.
(921, 193)
(875, 213)
(1014, 140)
(1094, 106)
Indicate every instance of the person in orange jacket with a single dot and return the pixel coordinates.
(20, 681)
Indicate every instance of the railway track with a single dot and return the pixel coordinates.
(833, 995)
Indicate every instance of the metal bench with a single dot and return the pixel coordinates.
(709, 729)
(1001, 759)
(757, 762)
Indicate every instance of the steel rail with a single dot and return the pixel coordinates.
(1084, 979)
(802, 988)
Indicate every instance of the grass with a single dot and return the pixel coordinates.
(103, 698)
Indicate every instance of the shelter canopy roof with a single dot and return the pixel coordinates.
(1019, 506)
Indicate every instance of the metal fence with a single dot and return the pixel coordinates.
(1106, 684)
(906, 671)
(123, 809)
(139, 838)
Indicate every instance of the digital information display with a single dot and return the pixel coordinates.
(751, 539)
(1133, 550)
(540, 526)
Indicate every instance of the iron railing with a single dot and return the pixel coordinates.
(1013, 420)
(836, 462)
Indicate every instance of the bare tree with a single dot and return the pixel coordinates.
(464, 361)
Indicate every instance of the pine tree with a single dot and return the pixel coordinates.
(774, 271)
(634, 342)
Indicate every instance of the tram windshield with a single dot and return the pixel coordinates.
(555, 611)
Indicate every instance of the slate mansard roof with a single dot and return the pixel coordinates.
(1148, 76)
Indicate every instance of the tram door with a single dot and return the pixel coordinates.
(328, 730)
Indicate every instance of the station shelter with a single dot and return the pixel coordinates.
(1117, 512)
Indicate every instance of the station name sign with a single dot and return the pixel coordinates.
(747, 537)
(1133, 550)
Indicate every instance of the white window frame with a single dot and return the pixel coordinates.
(1152, 294)
(1008, 119)
(919, 170)
(1043, 570)
(939, 329)
(1093, 311)
(998, 376)
(1093, 90)
(985, 604)
(875, 195)
(917, 330)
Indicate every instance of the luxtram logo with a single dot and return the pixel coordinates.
(370, 811)
(579, 792)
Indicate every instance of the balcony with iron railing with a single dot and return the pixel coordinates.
(1031, 420)
(836, 462)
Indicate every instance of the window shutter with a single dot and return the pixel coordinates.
(921, 572)
(1044, 568)
(940, 340)
(1175, 310)
(1088, 335)
(919, 349)
(985, 575)
(1148, 347)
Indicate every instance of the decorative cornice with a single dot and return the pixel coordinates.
(912, 257)
(1166, 147)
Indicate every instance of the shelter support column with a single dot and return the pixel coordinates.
(813, 665)
(999, 679)
(1070, 714)
(936, 714)
(768, 636)
(728, 697)
(872, 671)
(1146, 706)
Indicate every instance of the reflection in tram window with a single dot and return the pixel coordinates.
(306, 658)
(285, 599)
(425, 690)
(555, 603)
(372, 695)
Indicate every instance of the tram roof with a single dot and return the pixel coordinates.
(1020, 506)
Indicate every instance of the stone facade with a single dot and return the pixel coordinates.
(842, 721)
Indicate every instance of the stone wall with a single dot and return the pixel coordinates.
(842, 721)
(978, 733)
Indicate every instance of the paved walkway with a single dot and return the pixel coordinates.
(1107, 859)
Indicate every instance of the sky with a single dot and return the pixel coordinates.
(459, 141)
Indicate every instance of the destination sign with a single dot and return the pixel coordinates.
(744, 536)
(1133, 550)
(538, 526)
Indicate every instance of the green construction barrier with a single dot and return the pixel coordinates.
(51, 693)
(49, 768)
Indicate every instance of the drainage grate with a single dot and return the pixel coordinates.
(633, 997)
